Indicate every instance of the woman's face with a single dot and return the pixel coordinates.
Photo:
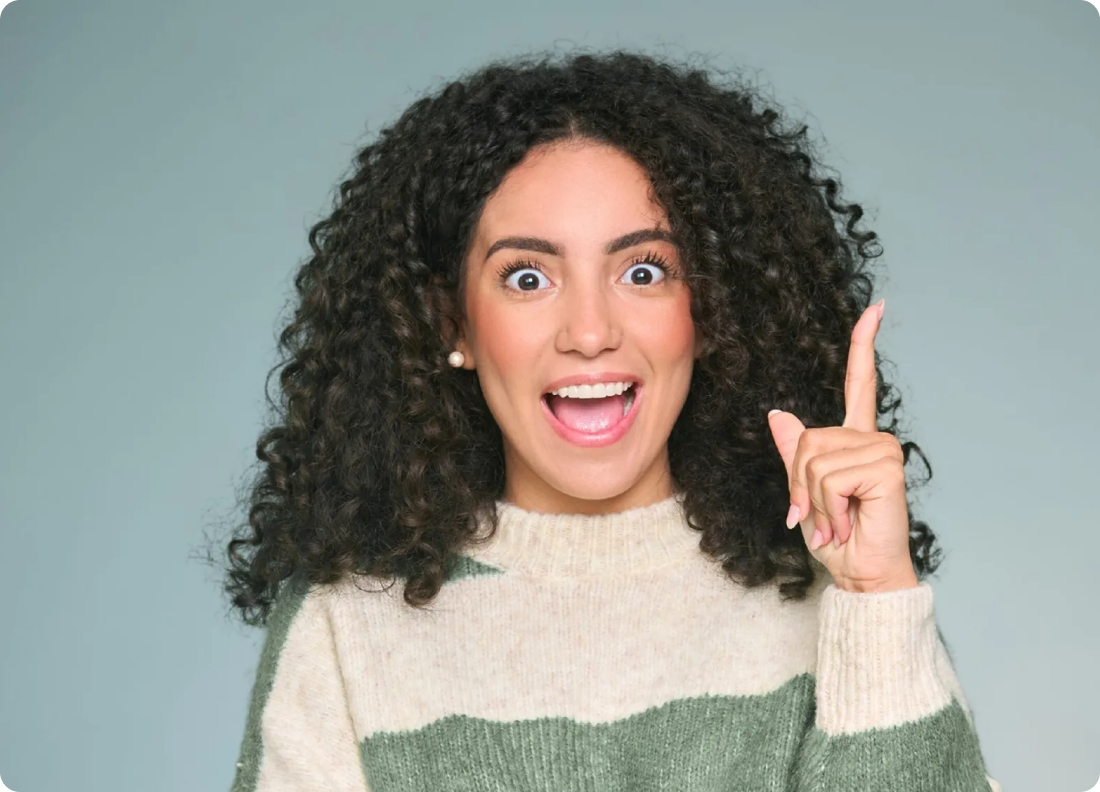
(582, 299)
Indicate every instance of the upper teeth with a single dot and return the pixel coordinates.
(599, 391)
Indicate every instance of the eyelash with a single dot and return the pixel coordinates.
(510, 269)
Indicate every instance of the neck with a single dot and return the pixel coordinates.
(531, 492)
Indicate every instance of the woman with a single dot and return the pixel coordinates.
(524, 517)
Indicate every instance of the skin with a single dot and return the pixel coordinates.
(848, 482)
(584, 313)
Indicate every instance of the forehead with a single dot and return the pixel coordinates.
(572, 191)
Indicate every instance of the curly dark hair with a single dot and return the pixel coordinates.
(381, 454)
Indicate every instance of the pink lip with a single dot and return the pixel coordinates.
(586, 440)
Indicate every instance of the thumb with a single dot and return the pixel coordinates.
(786, 429)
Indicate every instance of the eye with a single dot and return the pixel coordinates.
(633, 273)
(652, 261)
(523, 276)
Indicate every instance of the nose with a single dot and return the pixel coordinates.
(589, 322)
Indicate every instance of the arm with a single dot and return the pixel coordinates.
(890, 713)
(299, 734)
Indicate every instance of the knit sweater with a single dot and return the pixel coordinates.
(598, 653)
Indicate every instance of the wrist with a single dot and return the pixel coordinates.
(902, 580)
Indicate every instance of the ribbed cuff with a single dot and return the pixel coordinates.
(876, 659)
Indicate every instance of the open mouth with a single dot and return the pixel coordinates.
(592, 415)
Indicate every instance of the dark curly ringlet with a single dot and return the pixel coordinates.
(382, 454)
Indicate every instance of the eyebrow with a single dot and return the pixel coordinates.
(545, 246)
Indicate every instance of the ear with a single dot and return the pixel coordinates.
(441, 301)
(700, 344)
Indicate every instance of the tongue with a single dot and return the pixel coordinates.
(588, 415)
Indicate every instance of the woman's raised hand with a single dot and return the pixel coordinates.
(848, 482)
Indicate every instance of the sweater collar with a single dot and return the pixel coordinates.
(577, 545)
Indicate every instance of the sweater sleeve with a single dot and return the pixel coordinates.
(889, 710)
(299, 735)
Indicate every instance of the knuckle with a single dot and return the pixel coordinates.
(893, 443)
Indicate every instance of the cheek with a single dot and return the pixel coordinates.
(670, 332)
(505, 344)
(507, 341)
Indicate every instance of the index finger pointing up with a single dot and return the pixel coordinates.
(860, 383)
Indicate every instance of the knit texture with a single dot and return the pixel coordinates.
(599, 653)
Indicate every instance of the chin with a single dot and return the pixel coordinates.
(592, 489)
(596, 483)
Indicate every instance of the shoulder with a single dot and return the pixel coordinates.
(303, 611)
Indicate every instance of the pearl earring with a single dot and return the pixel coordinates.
(456, 359)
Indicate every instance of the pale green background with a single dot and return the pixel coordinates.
(160, 164)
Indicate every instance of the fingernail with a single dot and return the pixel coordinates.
(836, 540)
(773, 412)
(881, 308)
(792, 516)
(817, 541)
